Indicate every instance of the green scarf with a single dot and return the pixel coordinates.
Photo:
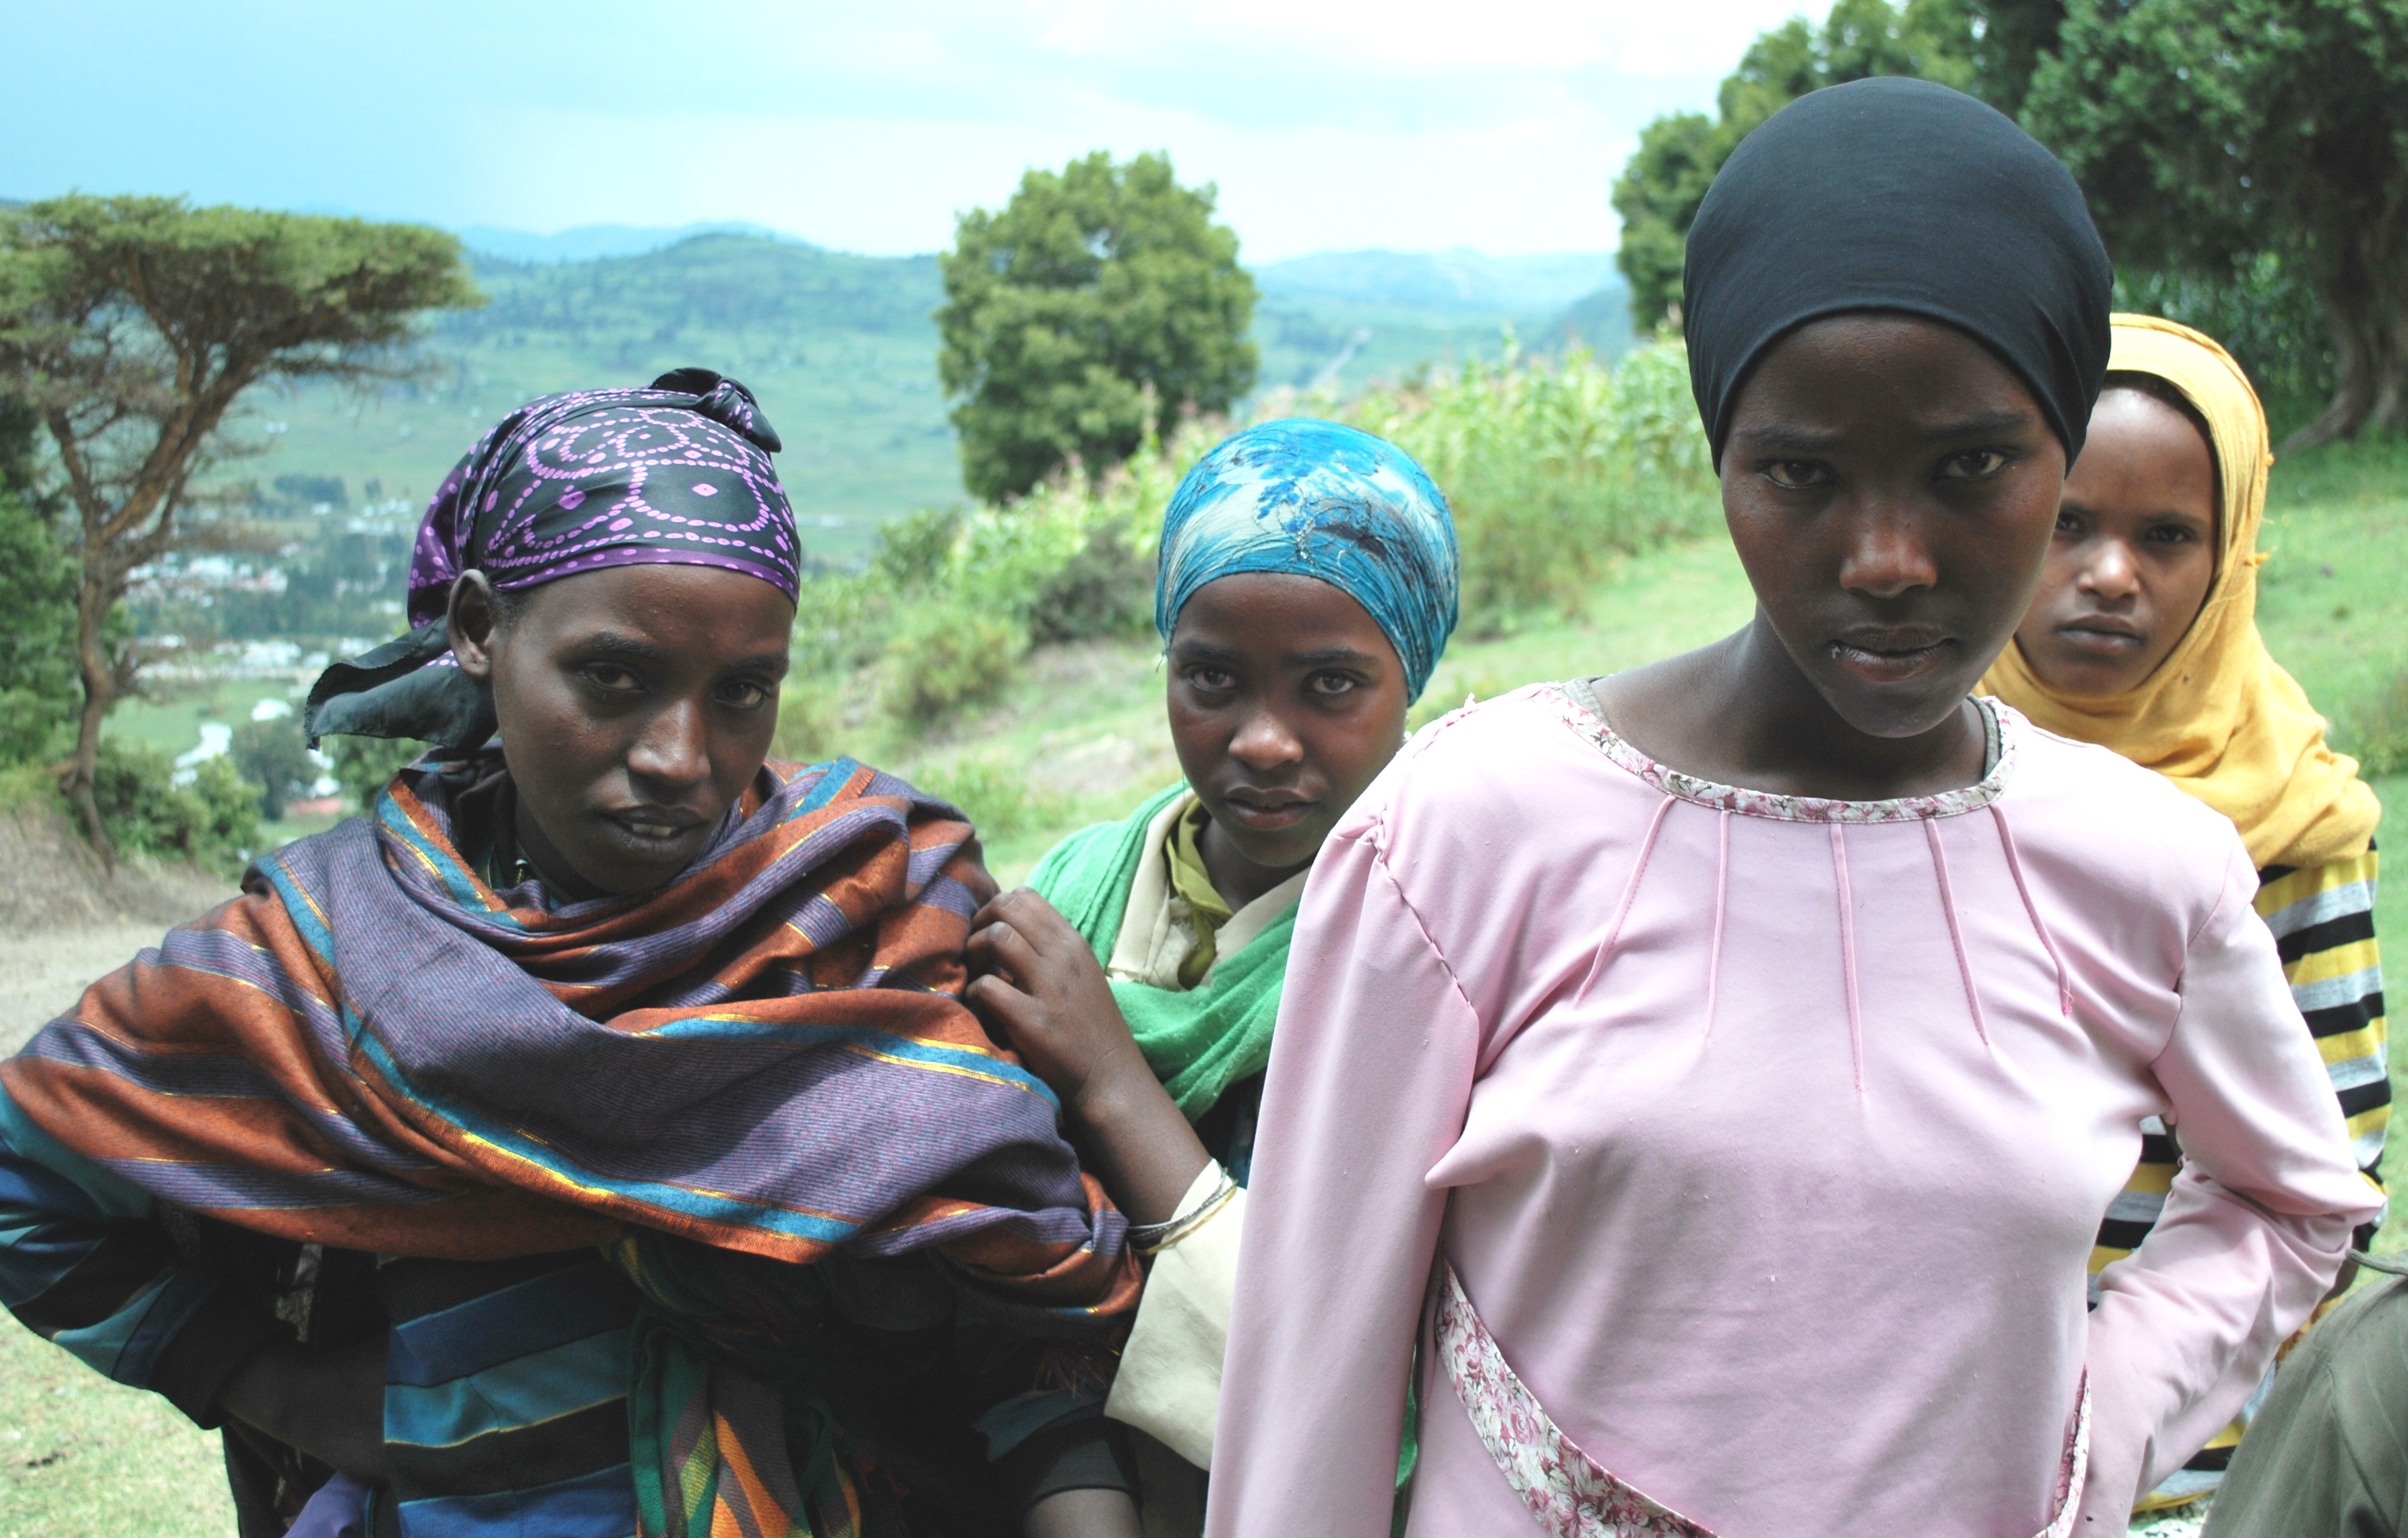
(1199, 1042)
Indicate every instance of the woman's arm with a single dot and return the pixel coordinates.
(1370, 1074)
(1043, 989)
(2253, 1230)
(85, 1264)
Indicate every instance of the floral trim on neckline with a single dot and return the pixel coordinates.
(1577, 702)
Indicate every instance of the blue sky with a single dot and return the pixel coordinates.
(1328, 124)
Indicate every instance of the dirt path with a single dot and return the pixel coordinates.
(42, 973)
(67, 920)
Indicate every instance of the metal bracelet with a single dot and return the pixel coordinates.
(1150, 1238)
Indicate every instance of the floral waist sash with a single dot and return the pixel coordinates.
(1569, 1492)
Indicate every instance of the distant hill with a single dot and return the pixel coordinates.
(591, 242)
(1456, 280)
(841, 352)
(1599, 322)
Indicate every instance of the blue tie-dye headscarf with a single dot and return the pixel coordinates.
(1318, 499)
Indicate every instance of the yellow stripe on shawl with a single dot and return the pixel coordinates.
(2218, 717)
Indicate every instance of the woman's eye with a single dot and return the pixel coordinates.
(1332, 685)
(1211, 680)
(2172, 534)
(1796, 474)
(617, 680)
(1972, 465)
(2068, 523)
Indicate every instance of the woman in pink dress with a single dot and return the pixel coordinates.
(1710, 1078)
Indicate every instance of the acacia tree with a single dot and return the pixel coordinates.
(131, 326)
(1679, 154)
(1100, 303)
(2210, 133)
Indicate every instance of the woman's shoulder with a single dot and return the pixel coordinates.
(2084, 815)
(1493, 776)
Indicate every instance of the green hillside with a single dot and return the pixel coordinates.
(839, 349)
(841, 352)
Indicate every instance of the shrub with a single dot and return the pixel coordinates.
(2378, 733)
(1552, 471)
(363, 766)
(211, 820)
(275, 757)
(948, 656)
(1105, 589)
(999, 798)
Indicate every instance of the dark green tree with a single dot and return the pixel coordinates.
(2211, 134)
(131, 326)
(1100, 303)
(1659, 190)
(274, 755)
(37, 598)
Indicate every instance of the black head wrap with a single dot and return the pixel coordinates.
(1898, 194)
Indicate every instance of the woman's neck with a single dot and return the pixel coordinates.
(1740, 712)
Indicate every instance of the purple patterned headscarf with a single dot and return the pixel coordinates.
(678, 474)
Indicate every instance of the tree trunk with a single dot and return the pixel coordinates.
(93, 601)
(2362, 288)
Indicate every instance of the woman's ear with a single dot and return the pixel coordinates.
(474, 619)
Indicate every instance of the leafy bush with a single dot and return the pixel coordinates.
(275, 757)
(364, 765)
(2265, 314)
(1551, 469)
(1000, 798)
(213, 820)
(2378, 729)
(40, 689)
(1550, 472)
(947, 656)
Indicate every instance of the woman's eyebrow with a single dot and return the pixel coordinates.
(1983, 424)
(1331, 656)
(614, 644)
(1790, 440)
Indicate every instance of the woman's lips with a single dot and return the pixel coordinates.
(2107, 641)
(1897, 656)
(1266, 816)
(659, 831)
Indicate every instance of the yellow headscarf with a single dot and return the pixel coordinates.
(2217, 717)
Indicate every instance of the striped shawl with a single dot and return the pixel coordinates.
(370, 1048)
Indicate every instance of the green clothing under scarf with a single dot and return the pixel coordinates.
(1199, 1042)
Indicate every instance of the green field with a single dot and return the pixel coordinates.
(1080, 737)
(841, 352)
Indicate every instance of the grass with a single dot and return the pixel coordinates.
(81, 1458)
(1077, 737)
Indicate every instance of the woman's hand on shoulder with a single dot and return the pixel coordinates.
(1035, 979)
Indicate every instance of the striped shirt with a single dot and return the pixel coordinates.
(2323, 921)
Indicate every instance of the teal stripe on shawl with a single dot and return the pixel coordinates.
(1200, 1041)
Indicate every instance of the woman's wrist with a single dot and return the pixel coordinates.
(1146, 1152)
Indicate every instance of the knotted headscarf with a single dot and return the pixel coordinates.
(1322, 501)
(678, 474)
(1903, 195)
(2218, 717)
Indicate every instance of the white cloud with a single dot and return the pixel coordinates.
(1326, 124)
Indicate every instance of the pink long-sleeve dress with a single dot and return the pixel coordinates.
(1768, 1137)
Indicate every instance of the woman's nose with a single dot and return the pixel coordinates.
(1887, 554)
(674, 748)
(2110, 572)
(1264, 743)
